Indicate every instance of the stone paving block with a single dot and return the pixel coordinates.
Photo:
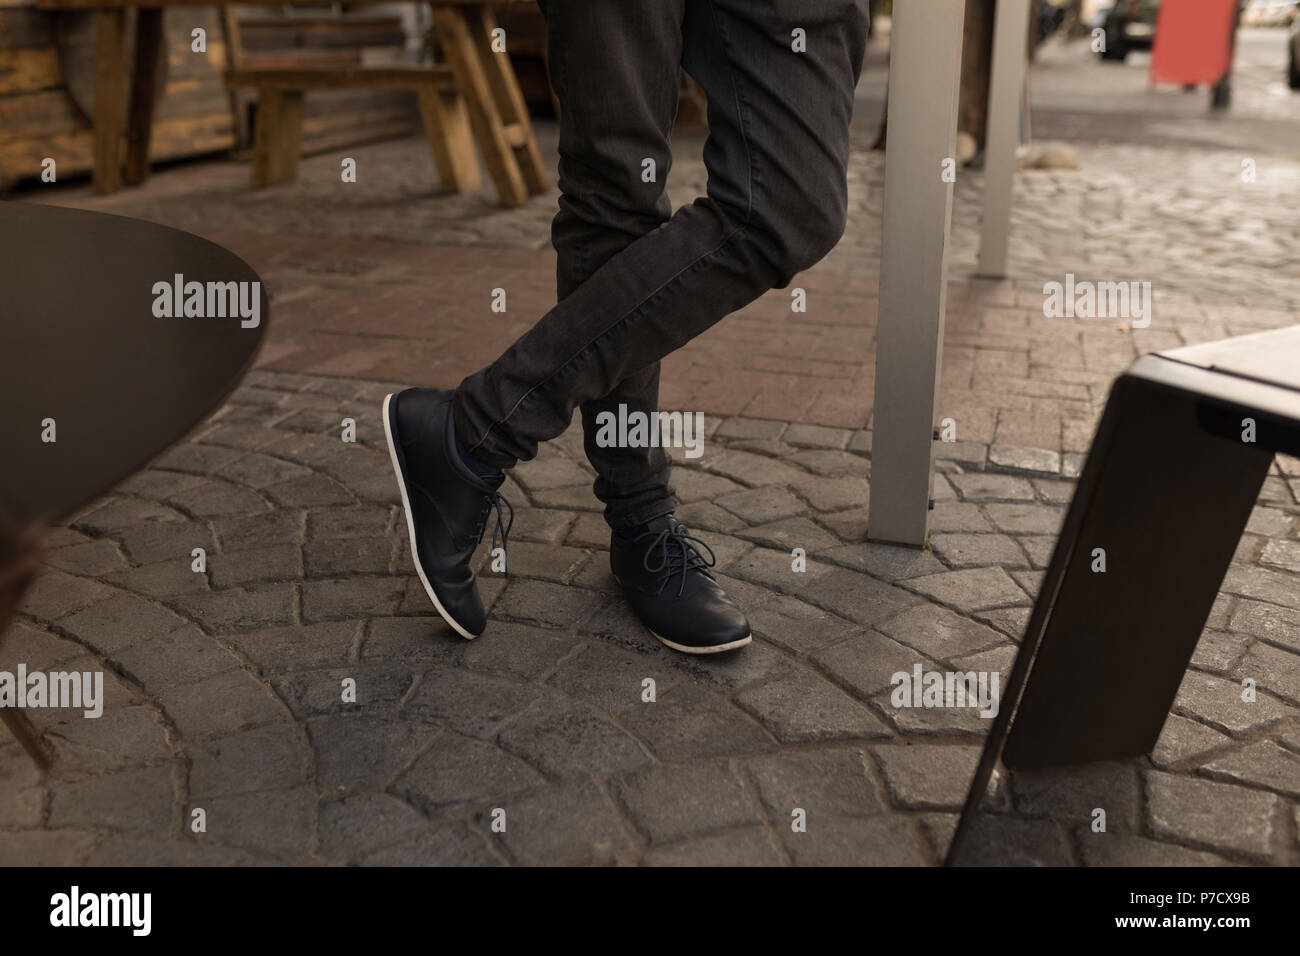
(282, 562)
(544, 603)
(349, 827)
(937, 632)
(322, 491)
(277, 649)
(514, 650)
(262, 471)
(972, 454)
(849, 525)
(742, 846)
(1129, 849)
(975, 589)
(978, 550)
(1280, 625)
(564, 739)
(984, 486)
(160, 851)
(761, 505)
(861, 599)
(569, 498)
(816, 436)
(790, 533)
(220, 498)
(856, 841)
(91, 559)
(201, 460)
(690, 721)
(332, 558)
(883, 561)
(802, 706)
(1271, 522)
(693, 485)
(1262, 764)
(574, 824)
(277, 528)
(755, 470)
(927, 776)
(1011, 621)
(453, 844)
(677, 800)
(1182, 739)
(1218, 702)
(1275, 587)
(1273, 669)
(266, 758)
(1073, 794)
(240, 608)
(136, 801)
(1039, 547)
(118, 513)
(997, 840)
(537, 524)
(459, 769)
(1025, 519)
(832, 465)
(541, 475)
(1203, 813)
(329, 599)
(834, 494)
(277, 823)
(958, 516)
(794, 624)
(379, 689)
(607, 678)
(221, 705)
(156, 483)
(124, 736)
(356, 752)
(22, 791)
(63, 847)
(730, 671)
(477, 705)
(701, 515)
(823, 783)
(548, 562)
(181, 657)
(1217, 651)
(1027, 460)
(160, 580)
(54, 594)
(1054, 492)
(866, 661)
(120, 621)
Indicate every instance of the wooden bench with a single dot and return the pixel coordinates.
(476, 91)
(280, 91)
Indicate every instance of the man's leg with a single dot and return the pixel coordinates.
(777, 154)
(614, 69)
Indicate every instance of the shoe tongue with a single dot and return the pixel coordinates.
(662, 523)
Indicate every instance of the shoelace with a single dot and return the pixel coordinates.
(495, 500)
(674, 543)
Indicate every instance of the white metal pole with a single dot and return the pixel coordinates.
(1006, 86)
(924, 70)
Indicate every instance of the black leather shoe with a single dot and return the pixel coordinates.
(667, 581)
(447, 505)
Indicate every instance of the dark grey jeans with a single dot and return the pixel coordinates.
(635, 283)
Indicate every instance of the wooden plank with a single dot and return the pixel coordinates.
(37, 115)
(509, 100)
(23, 28)
(462, 54)
(333, 78)
(144, 92)
(27, 71)
(446, 124)
(278, 136)
(110, 76)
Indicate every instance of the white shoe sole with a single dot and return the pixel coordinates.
(410, 527)
(686, 648)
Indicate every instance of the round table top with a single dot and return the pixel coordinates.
(101, 357)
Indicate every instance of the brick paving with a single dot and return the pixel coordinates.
(224, 687)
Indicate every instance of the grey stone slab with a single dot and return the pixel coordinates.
(356, 752)
(573, 824)
(604, 677)
(453, 844)
(978, 550)
(379, 689)
(1130, 849)
(678, 800)
(856, 841)
(1275, 587)
(275, 823)
(1274, 669)
(120, 621)
(456, 770)
(689, 722)
(1026, 519)
(1219, 703)
(135, 801)
(927, 776)
(955, 516)
(1262, 764)
(221, 705)
(795, 625)
(802, 706)
(122, 737)
(938, 633)
(1074, 794)
(883, 561)
(92, 559)
(63, 847)
(516, 650)
(996, 840)
(1203, 813)
(1028, 460)
(823, 783)
(790, 533)
(477, 705)
(160, 580)
(277, 528)
(1184, 739)
(54, 594)
(762, 505)
(181, 657)
(741, 846)
(275, 650)
(1280, 625)
(349, 827)
(266, 758)
(239, 608)
(984, 486)
(866, 661)
(544, 603)
(416, 639)
(974, 589)
(331, 599)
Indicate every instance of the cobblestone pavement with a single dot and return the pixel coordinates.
(224, 687)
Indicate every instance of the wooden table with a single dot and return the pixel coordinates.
(487, 80)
